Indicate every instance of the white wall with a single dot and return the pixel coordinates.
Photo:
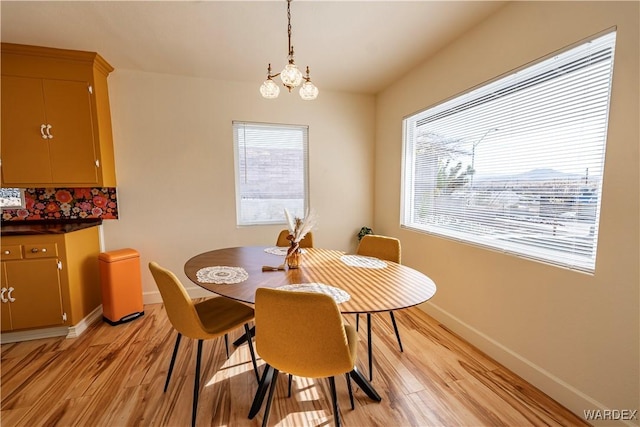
(576, 336)
(175, 168)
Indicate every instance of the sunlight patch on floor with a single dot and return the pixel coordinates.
(238, 363)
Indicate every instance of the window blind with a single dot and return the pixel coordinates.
(516, 165)
(271, 171)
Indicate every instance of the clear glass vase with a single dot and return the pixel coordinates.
(293, 256)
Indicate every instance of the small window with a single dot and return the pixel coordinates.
(271, 172)
(12, 198)
(516, 165)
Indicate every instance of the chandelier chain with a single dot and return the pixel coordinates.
(289, 29)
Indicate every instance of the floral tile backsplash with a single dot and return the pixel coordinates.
(65, 203)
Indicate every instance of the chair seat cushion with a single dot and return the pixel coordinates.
(220, 315)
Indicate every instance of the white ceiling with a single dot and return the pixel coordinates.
(356, 46)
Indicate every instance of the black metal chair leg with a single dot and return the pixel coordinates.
(395, 328)
(243, 338)
(370, 346)
(173, 360)
(267, 376)
(247, 332)
(196, 385)
(334, 400)
(364, 385)
(350, 391)
(226, 344)
(289, 387)
(270, 397)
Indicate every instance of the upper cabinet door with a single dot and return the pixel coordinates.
(71, 140)
(56, 119)
(25, 146)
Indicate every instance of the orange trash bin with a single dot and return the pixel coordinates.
(121, 286)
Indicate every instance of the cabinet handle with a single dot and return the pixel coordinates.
(49, 132)
(2, 295)
(11, 299)
(42, 129)
(34, 250)
(7, 252)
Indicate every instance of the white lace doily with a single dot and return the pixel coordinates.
(362, 261)
(337, 294)
(222, 275)
(279, 250)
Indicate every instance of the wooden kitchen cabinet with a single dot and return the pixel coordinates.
(5, 314)
(31, 294)
(49, 280)
(56, 119)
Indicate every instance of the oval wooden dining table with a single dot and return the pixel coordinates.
(391, 287)
(374, 287)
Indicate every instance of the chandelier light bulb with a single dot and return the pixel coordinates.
(308, 91)
(291, 76)
(269, 89)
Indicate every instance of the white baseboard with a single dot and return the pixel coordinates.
(76, 330)
(151, 298)
(73, 331)
(562, 392)
(33, 334)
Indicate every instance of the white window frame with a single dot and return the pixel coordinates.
(12, 202)
(442, 200)
(259, 203)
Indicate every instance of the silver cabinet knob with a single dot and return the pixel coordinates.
(34, 250)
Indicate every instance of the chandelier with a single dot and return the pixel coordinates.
(291, 76)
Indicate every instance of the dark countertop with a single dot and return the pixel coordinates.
(31, 227)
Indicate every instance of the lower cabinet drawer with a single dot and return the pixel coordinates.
(10, 252)
(44, 250)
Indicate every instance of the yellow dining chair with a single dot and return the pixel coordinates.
(208, 319)
(384, 248)
(306, 242)
(302, 333)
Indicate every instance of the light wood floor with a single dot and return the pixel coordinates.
(113, 376)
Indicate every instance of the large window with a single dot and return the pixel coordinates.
(516, 165)
(271, 172)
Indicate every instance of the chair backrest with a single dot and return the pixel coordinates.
(301, 333)
(382, 247)
(179, 306)
(306, 242)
